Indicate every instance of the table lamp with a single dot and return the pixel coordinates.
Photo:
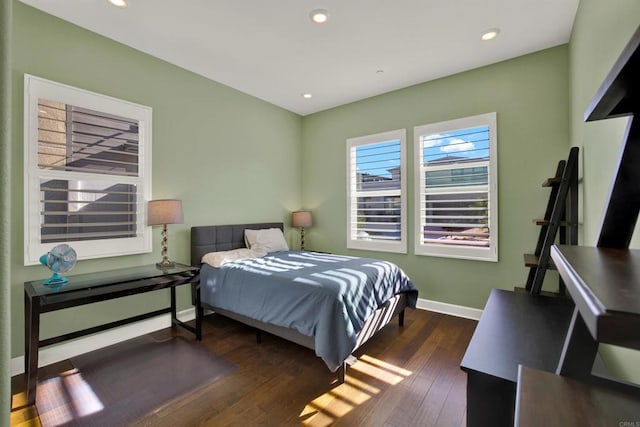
(163, 212)
(301, 219)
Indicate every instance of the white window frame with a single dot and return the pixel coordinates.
(489, 253)
(36, 88)
(377, 245)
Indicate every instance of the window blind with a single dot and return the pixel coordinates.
(86, 210)
(454, 188)
(78, 145)
(376, 191)
(78, 139)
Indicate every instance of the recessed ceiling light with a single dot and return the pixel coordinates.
(319, 16)
(490, 34)
(118, 3)
(307, 95)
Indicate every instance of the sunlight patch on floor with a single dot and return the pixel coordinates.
(378, 371)
(365, 387)
(23, 415)
(66, 397)
(54, 412)
(384, 365)
(324, 410)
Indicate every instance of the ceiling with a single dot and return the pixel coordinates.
(270, 48)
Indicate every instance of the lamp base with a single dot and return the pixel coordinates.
(165, 265)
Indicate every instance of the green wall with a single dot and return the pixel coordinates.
(600, 32)
(531, 97)
(233, 158)
(5, 186)
(230, 157)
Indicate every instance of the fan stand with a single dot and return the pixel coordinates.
(56, 280)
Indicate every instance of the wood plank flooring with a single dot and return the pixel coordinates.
(406, 376)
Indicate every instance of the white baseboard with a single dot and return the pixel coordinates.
(451, 309)
(69, 349)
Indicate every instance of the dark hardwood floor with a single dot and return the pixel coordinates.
(404, 377)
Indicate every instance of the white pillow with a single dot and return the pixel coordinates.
(218, 259)
(268, 239)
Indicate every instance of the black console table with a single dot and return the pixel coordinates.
(94, 287)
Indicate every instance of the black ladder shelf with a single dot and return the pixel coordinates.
(561, 216)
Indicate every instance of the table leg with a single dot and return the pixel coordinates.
(195, 287)
(173, 306)
(579, 352)
(31, 341)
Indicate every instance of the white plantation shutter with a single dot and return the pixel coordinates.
(72, 212)
(71, 138)
(456, 193)
(376, 192)
(86, 142)
(88, 171)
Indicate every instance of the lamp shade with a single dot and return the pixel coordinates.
(301, 219)
(164, 211)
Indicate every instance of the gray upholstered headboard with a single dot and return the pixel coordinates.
(213, 238)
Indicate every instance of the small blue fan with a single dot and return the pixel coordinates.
(60, 259)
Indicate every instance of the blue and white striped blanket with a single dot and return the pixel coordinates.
(326, 296)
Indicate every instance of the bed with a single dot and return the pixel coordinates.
(328, 303)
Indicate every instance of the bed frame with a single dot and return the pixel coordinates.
(213, 238)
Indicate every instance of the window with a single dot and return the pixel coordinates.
(376, 205)
(87, 172)
(456, 188)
